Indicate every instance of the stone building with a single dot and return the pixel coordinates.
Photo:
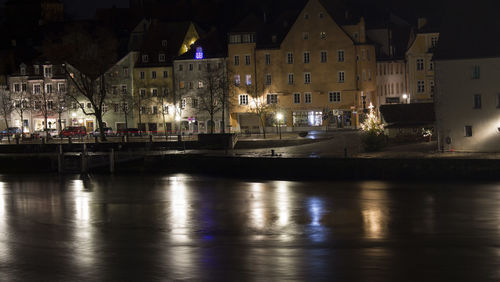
(201, 90)
(153, 74)
(314, 66)
(420, 64)
(467, 97)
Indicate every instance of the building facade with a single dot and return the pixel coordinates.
(420, 64)
(316, 71)
(201, 92)
(38, 92)
(153, 92)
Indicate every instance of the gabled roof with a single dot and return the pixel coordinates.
(213, 44)
(408, 114)
(282, 22)
(173, 32)
(469, 31)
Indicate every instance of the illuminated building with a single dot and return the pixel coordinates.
(314, 65)
(153, 93)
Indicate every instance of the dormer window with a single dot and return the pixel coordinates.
(47, 71)
(161, 57)
(322, 35)
(164, 43)
(23, 69)
(145, 58)
(274, 38)
(36, 69)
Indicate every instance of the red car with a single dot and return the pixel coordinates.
(74, 131)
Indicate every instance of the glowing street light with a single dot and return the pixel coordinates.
(405, 97)
(279, 118)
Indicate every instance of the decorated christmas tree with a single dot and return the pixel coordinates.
(372, 124)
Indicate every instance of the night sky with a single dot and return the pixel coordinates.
(86, 8)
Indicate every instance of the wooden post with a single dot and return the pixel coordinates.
(84, 159)
(60, 159)
(112, 161)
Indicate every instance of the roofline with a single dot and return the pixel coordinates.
(465, 58)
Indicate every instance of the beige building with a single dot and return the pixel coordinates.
(315, 68)
(153, 93)
(420, 64)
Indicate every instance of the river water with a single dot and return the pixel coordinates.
(188, 227)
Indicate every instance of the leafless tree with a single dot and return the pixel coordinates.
(89, 52)
(23, 101)
(212, 100)
(6, 106)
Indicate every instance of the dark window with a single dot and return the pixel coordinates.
(477, 101)
(468, 130)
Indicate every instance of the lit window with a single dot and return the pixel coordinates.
(237, 80)
(248, 79)
(200, 84)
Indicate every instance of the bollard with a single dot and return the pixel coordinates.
(60, 159)
(151, 138)
(273, 153)
(112, 161)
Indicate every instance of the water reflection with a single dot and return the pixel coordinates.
(257, 206)
(84, 244)
(317, 232)
(374, 208)
(283, 203)
(178, 209)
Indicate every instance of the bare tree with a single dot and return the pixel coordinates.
(23, 103)
(89, 52)
(6, 106)
(61, 105)
(124, 103)
(212, 100)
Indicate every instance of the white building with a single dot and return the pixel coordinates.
(468, 92)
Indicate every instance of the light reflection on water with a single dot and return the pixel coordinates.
(185, 228)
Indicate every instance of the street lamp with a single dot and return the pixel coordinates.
(405, 97)
(279, 117)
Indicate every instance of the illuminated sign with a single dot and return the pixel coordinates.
(199, 53)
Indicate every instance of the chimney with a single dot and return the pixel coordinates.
(421, 22)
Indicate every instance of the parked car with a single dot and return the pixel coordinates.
(51, 132)
(108, 131)
(74, 131)
(129, 132)
(11, 131)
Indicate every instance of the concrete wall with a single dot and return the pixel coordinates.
(455, 105)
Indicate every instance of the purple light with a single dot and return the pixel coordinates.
(199, 53)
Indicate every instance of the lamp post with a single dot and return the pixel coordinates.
(405, 98)
(279, 117)
(179, 134)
